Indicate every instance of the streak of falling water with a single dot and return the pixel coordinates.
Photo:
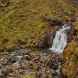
(59, 43)
(60, 40)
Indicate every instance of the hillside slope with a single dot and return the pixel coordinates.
(22, 20)
(22, 24)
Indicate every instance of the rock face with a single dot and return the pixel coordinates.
(46, 42)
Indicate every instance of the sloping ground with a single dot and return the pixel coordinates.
(22, 20)
(21, 23)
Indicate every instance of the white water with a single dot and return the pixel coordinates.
(60, 40)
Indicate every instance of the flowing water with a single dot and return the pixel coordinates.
(60, 40)
(19, 58)
(59, 43)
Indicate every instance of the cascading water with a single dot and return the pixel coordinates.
(60, 40)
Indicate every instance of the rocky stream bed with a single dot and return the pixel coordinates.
(27, 63)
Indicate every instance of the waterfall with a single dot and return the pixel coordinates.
(60, 39)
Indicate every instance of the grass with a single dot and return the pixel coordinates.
(21, 20)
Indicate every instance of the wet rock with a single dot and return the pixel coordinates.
(23, 61)
(27, 57)
(55, 64)
(46, 42)
(4, 72)
(53, 22)
(13, 59)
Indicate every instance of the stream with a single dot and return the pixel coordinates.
(60, 40)
(18, 62)
(58, 46)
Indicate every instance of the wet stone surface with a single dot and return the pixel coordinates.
(22, 62)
